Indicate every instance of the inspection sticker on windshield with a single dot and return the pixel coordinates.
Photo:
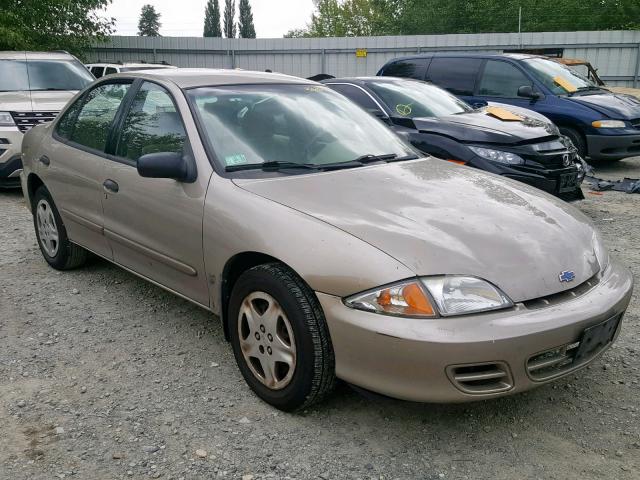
(503, 114)
(237, 159)
(564, 83)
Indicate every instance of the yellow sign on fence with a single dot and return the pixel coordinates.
(361, 52)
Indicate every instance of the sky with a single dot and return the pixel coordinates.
(185, 18)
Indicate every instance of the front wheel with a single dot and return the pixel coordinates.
(577, 139)
(54, 244)
(280, 338)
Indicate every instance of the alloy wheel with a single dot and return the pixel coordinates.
(47, 228)
(266, 340)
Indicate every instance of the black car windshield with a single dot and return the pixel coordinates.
(23, 75)
(290, 124)
(558, 78)
(417, 99)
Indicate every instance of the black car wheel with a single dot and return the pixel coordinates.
(54, 244)
(577, 139)
(280, 337)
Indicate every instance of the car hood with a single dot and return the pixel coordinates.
(439, 218)
(480, 127)
(616, 106)
(35, 101)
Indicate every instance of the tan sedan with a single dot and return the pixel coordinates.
(324, 243)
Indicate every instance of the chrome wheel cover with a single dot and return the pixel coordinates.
(47, 228)
(266, 340)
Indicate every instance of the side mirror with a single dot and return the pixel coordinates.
(165, 165)
(479, 104)
(527, 91)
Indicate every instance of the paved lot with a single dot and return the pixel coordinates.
(103, 376)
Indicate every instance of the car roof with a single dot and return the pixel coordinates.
(132, 64)
(365, 80)
(513, 56)
(208, 77)
(11, 55)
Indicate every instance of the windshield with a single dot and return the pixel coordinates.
(22, 75)
(418, 99)
(298, 124)
(558, 78)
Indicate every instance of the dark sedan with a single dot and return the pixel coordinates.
(502, 139)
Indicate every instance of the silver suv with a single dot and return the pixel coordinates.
(34, 87)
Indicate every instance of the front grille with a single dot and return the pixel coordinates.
(481, 378)
(560, 360)
(25, 121)
(564, 296)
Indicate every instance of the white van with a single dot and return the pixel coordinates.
(101, 69)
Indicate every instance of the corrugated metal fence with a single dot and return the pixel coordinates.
(616, 54)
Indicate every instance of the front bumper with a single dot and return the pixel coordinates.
(612, 147)
(416, 359)
(10, 156)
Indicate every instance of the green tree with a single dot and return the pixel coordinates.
(149, 23)
(71, 25)
(212, 19)
(246, 29)
(229, 18)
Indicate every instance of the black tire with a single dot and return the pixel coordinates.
(67, 255)
(577, 139)
(314, 373)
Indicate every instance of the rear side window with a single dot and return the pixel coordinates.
(358, 96)
(96, 115)
(152, 125)
(458, 75)
(412, 68)
(97, 71)
(501, 79)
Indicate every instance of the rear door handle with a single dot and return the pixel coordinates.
(45, 160)
(111, 186)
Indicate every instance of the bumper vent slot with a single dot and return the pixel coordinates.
(25, 121)
(481, 378)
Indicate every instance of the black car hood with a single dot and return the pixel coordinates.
(481, 127)
(619, 107)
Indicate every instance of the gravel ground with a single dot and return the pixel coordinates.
(104, 376)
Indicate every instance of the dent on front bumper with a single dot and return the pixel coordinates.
(423, 360)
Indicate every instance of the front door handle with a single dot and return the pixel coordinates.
(111, 186)
(45, 160)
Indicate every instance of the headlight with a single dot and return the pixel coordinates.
(608, 124)
(6, 120)
(498, 156)
(452, 295)
(458, 295)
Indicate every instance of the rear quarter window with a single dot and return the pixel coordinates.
(411, 68)
(458, 75)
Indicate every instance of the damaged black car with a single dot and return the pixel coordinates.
(502, 139)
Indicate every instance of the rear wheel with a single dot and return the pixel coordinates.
(54, 244)
(280, 337)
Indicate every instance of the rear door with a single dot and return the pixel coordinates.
(154, 225)
(73, 167)
(458, 75)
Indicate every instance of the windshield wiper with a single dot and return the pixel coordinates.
(365, 160)
(269, 166)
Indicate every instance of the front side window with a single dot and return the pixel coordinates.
(417, 99)
(301, 124)
(97, 71)
(152, 125)
(13, 76)
(110, 71)
(458, 75)
(96, 115)
(501, 79)
(413, 68)
(57, 75)
(357, 95)
(558, 78)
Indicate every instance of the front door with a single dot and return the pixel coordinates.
(74, 167)
(154, 225)
(499, 82)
